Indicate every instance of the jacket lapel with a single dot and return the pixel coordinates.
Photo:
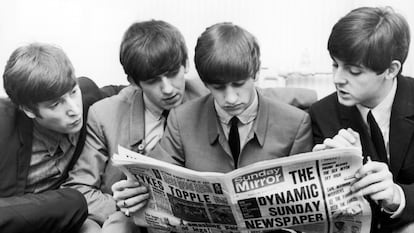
(401, 123)
(215, 131)
(25, 129)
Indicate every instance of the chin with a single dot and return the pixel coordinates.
(348, 103)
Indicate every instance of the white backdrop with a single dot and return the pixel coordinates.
(292, 34)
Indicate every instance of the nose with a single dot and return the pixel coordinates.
(73, 107)
(166, 85)
(230, 95)
(339, 76)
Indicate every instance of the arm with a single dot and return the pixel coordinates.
(39, 212)
(303, 139)
(88, 170)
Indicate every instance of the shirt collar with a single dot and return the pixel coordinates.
(152, 108)
(52, 139)
(245, 117)
(381, 112)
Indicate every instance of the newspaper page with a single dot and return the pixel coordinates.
(309, 192)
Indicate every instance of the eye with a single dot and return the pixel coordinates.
(74, 91)
(54, 104)
(172, 73)
(334, 65)
(239, 83)
(151, 80)
(354, 71)
(218, 86)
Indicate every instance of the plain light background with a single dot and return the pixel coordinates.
(292, 34)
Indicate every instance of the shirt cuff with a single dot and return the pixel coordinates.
(400, 209)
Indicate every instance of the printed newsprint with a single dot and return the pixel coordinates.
(309, 192)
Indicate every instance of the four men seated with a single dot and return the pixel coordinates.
(56, 165)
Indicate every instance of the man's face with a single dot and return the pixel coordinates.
(233, 97)
(356, 84)
(63, 115)
(165, 91)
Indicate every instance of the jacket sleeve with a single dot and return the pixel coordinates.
(303, 140)
(86, 175)
(62, 210)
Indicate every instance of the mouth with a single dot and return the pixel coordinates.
(342, 92)
(233, 107)
(171, 99)
(75, 123)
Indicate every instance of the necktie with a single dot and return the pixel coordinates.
(377, 139)
(165, 115)
(234, 139)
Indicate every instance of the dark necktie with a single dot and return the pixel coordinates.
(165, 115)
(234, 139)
(377, 139)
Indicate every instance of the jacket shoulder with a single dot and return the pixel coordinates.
(8, 116)
(195, 88)
(327, 103)
(113, 105)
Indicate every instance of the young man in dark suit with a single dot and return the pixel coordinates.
(368, 48)
(42, 132)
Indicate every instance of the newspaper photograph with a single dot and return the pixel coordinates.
(308, 192)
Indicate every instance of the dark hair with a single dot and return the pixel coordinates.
(152, 48)
(36, 73)
(226, 53)
(372, 37)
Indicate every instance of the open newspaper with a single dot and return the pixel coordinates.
(308, 192)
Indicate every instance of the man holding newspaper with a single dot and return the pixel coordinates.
(374, 179)
(235, 125)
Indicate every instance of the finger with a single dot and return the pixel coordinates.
(349, 136)
(138, 207)
(354, 133)
(123, 184)
(373, 188)
(136, 200)
(372, 183)
(372, 167)
(336, 142)
(319, 147)
(129, 192)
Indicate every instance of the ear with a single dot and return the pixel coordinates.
(393, 70)
(187, 66)
(29, 113)
(256, 76)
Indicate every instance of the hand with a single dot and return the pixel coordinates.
(374, 179)
(344, 138)
(130, 196)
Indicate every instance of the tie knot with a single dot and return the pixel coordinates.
(234, 121)
(165, 113)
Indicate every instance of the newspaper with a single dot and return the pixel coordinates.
(308, 192)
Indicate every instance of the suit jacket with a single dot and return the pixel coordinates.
(328, 116)
(16, 140)
(194, 137)
(113, 121)
(27, 212)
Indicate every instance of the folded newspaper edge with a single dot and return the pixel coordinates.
(308, 192)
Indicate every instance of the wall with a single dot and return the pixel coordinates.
(292, 34)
